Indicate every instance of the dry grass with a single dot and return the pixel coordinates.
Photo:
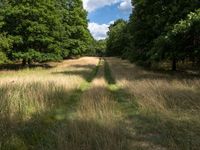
(168, 105)
(28, 88)
(70, 106)
(60, 108)
(97, 121)
(39, 95)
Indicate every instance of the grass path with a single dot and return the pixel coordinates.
(100, 118)
(110, 105)
(161, 110)
(105, 111)
(129, 108)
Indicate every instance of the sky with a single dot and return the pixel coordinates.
(102, 13)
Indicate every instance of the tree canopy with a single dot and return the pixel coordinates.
(43, 30)
(158, 30)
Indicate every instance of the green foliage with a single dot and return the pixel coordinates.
(97, 48)
(43, 30)
(158, 31)
(5, 45)
(117, 38)
(182, 41)
(3, 57)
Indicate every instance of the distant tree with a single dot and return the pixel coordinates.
(116, 38)
(97, 48)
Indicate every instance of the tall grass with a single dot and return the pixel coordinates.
(168, 106)
(33, 101)
(97, 124)
(112, 105)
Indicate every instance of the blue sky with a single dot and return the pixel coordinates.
(107, 14)
(101, 13)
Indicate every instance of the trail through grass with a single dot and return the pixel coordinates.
(165, 110)
(92, 104)
(101, 119)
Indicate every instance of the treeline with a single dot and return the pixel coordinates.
(157, 31)
(42, 30)
(97, 48)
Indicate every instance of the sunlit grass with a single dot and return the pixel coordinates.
(39, 97)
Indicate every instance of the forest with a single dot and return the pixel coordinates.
(63, 89)
(158, 31)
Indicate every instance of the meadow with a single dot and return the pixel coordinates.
(98, 104)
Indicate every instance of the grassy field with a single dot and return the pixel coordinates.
(98, 104)
(167, 106)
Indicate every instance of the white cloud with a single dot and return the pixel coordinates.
(125, 5)
(99, 31)
(111, 22)
(92, 5)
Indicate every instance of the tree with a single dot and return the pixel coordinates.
(42, 30)
(34, 29)
(116, 38)
(181, 42)
(97, 48)
(149, 37)
(77, 24)
(5, 47)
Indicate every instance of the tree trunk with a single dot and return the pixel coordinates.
(29, 62)
(24, 62)
(174, 66)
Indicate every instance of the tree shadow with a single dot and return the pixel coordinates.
(82, 71)
(55, 128)
(15, 67)
(84, 66)
(133, 72)
(166, 132)
(154, 130)
(181, 99)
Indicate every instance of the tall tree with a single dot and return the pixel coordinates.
(42, 30)
(77, 23)
(116, 38)
(182, 42)
(150, 23)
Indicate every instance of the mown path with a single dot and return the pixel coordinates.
(129, 108)
(107, 110)
(95, 116)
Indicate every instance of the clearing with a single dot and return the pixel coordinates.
(98, 104)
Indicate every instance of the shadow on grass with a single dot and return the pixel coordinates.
(57, 128)
(181, 99)
(167, 132)
(108, 74)
(82, 70)
(16, 67)
(134, 72)
(154, 130)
